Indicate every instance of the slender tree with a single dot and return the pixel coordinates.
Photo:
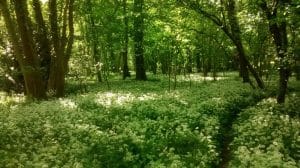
(228, 23)
(138, 39)
(92, 36)
(126, 72)
(278, 30)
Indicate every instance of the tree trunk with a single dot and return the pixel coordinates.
(97, 60)
(138, 40)
(14, 40)
(297, 66)
(12, 32)
(198, 62)
(70, 40)
(245, 65)
(56, 81)
(44, 48)
(189, 67)
(233, 32)
(279, 34)
(94, 41)
(125, 68)
(206, 66)
(62, 44)
(30, 62)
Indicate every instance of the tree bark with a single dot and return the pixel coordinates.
(62, 41)
(126, 72)
(12, 32)
(44, 48)
(41, 69)
(189, 67)
(56, 81)
(233, 32)
(198, 62)
(13, 39)
(94, 40)
(297, 66)
(30, 62)
(138, 40)
(279, 34)
(235, 35)
(70, 40)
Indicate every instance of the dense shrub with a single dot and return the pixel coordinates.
(266, 136)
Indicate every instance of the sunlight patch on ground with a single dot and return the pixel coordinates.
(197, 78)
(270, 100)
(217, 99)
(68, 103)
(16, 98)
(3, 97)
(108, 99)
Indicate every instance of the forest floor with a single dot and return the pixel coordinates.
(154, 123)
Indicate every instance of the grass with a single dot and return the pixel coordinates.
(131, 124)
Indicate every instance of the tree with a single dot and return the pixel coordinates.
(278, 29)
(43, 43)
(103, 34)
(138, 39)
(62, 45)
(92, 36)
(41, 69)
(125, 68)
(228, 23)
(29, 63)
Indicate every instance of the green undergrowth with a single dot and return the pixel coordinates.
(268, 135)
(135, 124)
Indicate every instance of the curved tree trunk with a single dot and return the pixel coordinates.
(236, 37)
(233, 32)
(245, 65)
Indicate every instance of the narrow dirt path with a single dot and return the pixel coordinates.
(226, 135)
(226, 139)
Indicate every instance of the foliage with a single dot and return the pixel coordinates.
(127, 127)
(267, 135)
(183, 119)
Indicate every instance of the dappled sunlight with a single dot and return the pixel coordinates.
(108, 99)
(44, 1)
(15, 98)
(217, 99)
(199, 78)
(68, 103)
(2, 97)
(269, 100)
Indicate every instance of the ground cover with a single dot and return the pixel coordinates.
(138, 124)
